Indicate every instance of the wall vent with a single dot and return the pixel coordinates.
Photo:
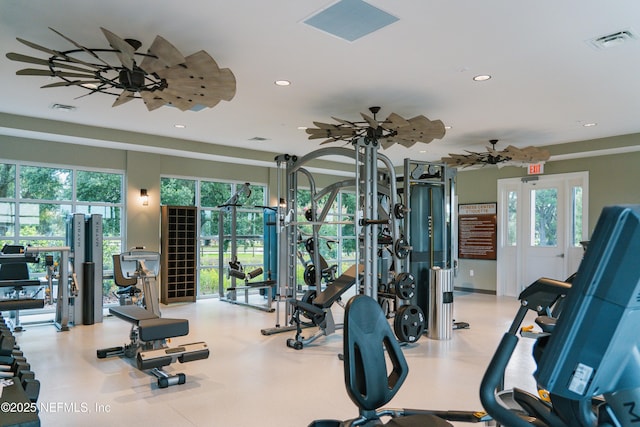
(613, 39)
(63, 107)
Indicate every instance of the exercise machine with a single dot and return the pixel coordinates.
(593, 345)
(316, 307)
(380, 240)
(266, 287)
(374, 370)
(149, 332)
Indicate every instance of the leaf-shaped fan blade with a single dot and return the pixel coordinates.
(124, 97)
(79, 46)
(55, 53)
(407, 143)
(386, 143)
(177, 101)
(40, 61)
(152, 101)
(425, 129)
(124, 50)
(372, 122)
(166, 55)
(73, 83)
(36, 72)
(344, 122)
(394, 122)
(201, 74)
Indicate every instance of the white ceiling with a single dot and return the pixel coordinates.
(547, 80)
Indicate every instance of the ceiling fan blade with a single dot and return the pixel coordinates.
(56, 53)
(79, 46)
(36, 72)
(41, 61)
(394, 122)
(75, 82)
(124, 97)
(344, 122)
(327, 141)
(176, 101)
(151, 101)
(370, 120)
(386, 143)
(166, 55)
(124, 50)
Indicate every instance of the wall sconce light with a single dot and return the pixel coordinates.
(144, 197)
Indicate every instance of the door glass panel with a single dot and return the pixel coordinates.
(544, 213)
(576, 215)
(512, 220)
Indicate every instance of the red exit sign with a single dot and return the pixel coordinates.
(536, 169)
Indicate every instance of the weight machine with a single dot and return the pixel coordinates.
(235, 269)
(382, 243)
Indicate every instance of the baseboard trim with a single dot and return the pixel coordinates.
(475, 291)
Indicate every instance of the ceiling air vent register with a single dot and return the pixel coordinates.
(613, 39)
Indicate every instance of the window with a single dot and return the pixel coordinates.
(512, 220)
(576, 222)
(211, 196)
(544, 203)
(36, 200)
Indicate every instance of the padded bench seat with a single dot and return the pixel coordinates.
(150, 326)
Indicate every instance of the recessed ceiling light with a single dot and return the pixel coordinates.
(482, 78)
(588, 125)
(282, 82)
(448, 127)
(422, 151)
(302, 128)
(179, 126)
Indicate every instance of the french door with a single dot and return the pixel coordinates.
(542, 222)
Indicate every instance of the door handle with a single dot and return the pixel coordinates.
(560, 256)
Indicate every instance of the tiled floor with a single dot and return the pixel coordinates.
(251, 379)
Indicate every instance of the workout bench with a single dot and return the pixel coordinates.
(317, 308)
(149, 334)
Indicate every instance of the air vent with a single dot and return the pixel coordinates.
(258, 138)
(613, 39)
(350, 19)
(63, 107)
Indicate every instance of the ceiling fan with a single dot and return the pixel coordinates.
(162, 76)
(394, 129)
(511, 155)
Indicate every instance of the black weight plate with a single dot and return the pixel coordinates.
(310, 275)
(402, 248)
(405, 285)
(409, 324)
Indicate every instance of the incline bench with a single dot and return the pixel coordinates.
(148, 343)
(318, 309)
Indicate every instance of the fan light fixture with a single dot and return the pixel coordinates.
(394, 129)
(162, 76)
(512, 155)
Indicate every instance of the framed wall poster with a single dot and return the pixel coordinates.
(477, 231)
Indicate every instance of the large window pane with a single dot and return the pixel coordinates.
(98, 187)
(43, 219)
(177, 192)
(213, 194)
(544, 203)
(7, 180)
(45, 183)
(7, 219)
